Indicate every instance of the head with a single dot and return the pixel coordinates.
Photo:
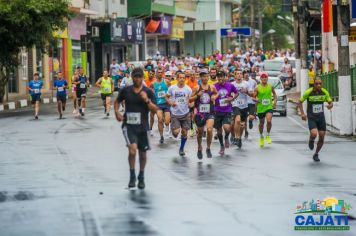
(311, 67)
(238, 75)
(81, 70)
(213, 73)
(137, 77)
(114, 61)
(221, 75)
(151, 74)
(105, 73)
(159, 73)
(181, 78)
(264, 78)
(317, 83)
(204, 76)
(286, 60)
(36, 76)
(59, 75)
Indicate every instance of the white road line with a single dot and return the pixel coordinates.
(297, 123)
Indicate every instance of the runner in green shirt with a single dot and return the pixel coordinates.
(315, 98)
(265, 106)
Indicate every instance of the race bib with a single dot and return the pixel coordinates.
(60, 89)
(204, 108)
(266, 102)
(82, 86)
(36, 90)
(107, 90)
(182, 100)
(239, 102)
(133, 118)
(161, 94)
(317, 108)
(223, 102)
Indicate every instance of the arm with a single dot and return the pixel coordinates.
(274, 98)
(215, 94)
(148, 99)
(168, 99)
(112, 85)
(97, 84)
(194, 95)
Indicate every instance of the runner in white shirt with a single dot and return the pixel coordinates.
(251, 103)
(178, 98)
(240, 107)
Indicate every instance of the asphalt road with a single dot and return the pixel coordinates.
(69, 177)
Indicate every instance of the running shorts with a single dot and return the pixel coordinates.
(134, 137)
(263, 115)
(181, 122)
(318, 123)
(200, 121)
(243, 113)
(221, 118)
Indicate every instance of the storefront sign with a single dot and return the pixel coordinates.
(178, 28)
(166, 25)
(159, 25)
(118, 30)
(127, 30)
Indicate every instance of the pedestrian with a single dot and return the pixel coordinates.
(139, 101)
(35, 87)
(106, 85)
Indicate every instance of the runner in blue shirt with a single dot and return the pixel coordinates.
(61, 85)
(35, 87)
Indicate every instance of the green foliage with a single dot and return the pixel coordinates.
(27, 23)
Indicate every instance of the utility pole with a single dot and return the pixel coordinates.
(303, 21)
(296, 42)
(252, 23)
(345, 99)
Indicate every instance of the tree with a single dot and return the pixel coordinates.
(27, 23)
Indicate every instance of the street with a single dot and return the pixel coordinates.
(69, 177)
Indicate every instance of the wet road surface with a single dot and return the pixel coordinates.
(69, 177)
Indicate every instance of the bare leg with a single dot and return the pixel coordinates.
(269, 121)
(160, 122)
(209, 132)
(320, 142)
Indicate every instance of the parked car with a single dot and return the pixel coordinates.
(273, 67)
(281, 106)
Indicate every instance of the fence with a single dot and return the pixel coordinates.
(353, 81)
(330, 83)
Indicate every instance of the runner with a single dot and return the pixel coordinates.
(264, 92)
(178, 98)
(160, 88)
(315, 98)
(35, 87)
(213, 80)
(115, 73)
(61, 85)
(251, 103)
(74, 87)
(240, 108)
(106, 85)
(227, 93)
(139, 100)
(203, 95)
(81, 90)
(192, 82)
(149, 83)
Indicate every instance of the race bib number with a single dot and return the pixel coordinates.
(60, 89)
(36, 90)
(223, 102)
(239, 102)
(204, 108)
(161, 94)
(266, 102)
(182, 100)
(317, 108)
(133, 118)
(107, 90)
(82, 86)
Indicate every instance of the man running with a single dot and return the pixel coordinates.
(227, 93)
(139, 100)
(192, 82)
(265, 106)
(75, 77)
(106, 85)
(149, 83)
(315, 98)
(61, 85)
(115, 73)
(82, 84)
(240, 108)
(178, 98)
(160, 88)
(251, 103)
(35, 87)
(203, 95)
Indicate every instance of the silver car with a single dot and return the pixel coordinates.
(281, 106)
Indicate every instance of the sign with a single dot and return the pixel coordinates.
(166, 25)
(353, 9)
(118, 30)
(136, 32)
(233, 32)
(344, 40)
(352, 34)
(178, 28)
(159, 25)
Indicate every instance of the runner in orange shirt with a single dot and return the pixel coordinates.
(192, 82)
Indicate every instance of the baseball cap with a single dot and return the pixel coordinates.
(203, 72)
(168, 73)
(137, 72)
(263, 74)
(221, 73)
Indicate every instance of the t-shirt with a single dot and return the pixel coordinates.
(114, 69)
(212, 82)
(286, 69)
(315, 102)
(160, 89)
(181, 97)
(136, 110)
(251, 87)
(60, 86)
(224, 90)
(36, 86)
(149, 82)
(241, 100)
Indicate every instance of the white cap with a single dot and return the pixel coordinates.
(168, 73)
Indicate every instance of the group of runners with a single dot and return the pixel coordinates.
(205, 101)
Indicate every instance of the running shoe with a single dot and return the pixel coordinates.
(181, 152)
(166, 130)
(63, 108)
(132, 182)
(250, 124)
(60, 116)
(232, 139)
(36, 117)
(215, 137)
(82, 113)
(316, 157)
(311, 144)
(227, 143)
(141, 183)
(261, 141)
(107, 114)
(151, 133)
(200, 154)
(222, 150)
(208, 153)
(161, 141)
(238, 143)
(268, 139)
(246, 134)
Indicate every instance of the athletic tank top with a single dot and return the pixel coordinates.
(160, 90)
(264, 98)
(105, 85)
(203, 103)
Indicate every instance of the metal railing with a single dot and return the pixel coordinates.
(330, 83)
(353, 81)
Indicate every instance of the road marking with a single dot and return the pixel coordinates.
(297, 123)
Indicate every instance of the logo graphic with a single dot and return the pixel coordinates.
(328, 214)
(205, 98)
(223, 92)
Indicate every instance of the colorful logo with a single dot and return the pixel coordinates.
(328, 214)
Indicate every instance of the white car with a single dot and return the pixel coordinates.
(281, 106)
